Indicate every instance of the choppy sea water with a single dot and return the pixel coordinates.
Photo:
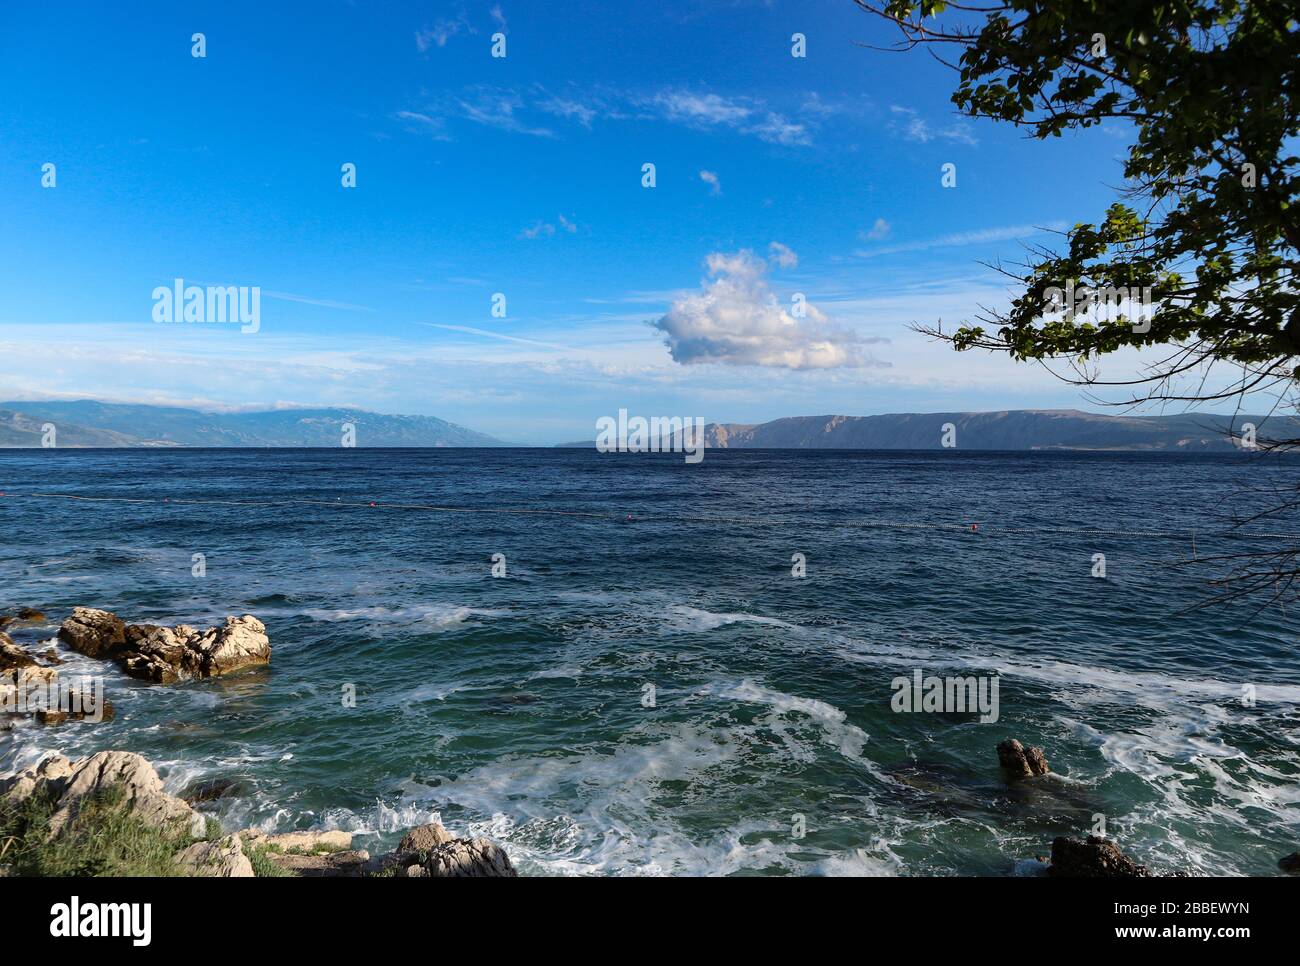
(515, 706)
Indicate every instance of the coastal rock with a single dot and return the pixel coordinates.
(241, 643)
(95, 633)
(77, 706)
(331, 840)
(1290, 864)
(323, 864)
(1019, 762)
(223, 858)
(430, 851)
(1092, 858)
(12, 656)
(211, 790)
(159, 653)
(424, 838)
(168, 654)
(468, 858)
(50, 775)
(68, 783)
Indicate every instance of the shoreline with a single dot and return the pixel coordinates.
(163, 655)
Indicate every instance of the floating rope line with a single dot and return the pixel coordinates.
(619, 517)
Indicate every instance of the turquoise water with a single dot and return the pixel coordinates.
(514, 706)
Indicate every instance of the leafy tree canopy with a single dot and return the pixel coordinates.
(1208, 221)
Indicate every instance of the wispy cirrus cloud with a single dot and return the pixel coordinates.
(426, 124)
(880, 229)
(442, 31)
(500, 110)
(546, 229)
(965, 238)
(714, 111)
(528, 111)
(912, 126)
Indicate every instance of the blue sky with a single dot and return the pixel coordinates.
(521, 175)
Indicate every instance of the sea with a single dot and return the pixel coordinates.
(625, 664)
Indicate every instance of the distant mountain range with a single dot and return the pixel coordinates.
(85, 423)
(1016, 429)
(88, 423)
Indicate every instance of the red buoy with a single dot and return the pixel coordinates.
(974, 527)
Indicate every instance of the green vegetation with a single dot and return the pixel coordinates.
(102, 839)
(264, 867)
(1208, 219)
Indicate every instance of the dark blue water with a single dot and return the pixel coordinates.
(515, 706)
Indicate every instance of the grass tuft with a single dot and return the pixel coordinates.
(103, 839)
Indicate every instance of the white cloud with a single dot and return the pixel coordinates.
(545, 229)
(566, 107)
(432, 126)
(499, 110)
(964, 238)
(510, 110)
(879, 230)
(782, 255)
(441, 32)
(737, 320)
(710, 178)
(498, 16)
(745, 115)
(915, 128)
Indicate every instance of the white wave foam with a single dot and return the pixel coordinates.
(432, 615)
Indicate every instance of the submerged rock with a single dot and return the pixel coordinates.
(1092, 858)
(95, 633)
(1019, 762)
(211, 789)
(76, 711)
(24, 615)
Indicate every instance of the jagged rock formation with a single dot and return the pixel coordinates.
(68, 784)
(1019, 762)
(168, 654)
(223, 858)
(95, 633)
(430, 851)
(1092, 858)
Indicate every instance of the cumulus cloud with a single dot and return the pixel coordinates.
(710, 178)
(737, 320)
